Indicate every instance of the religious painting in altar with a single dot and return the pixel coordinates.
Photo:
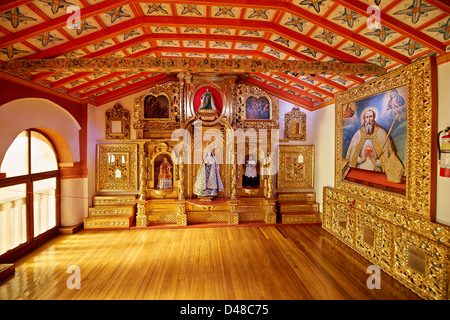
(157, 112)
(374, 133)
(257, 108)
(156, 106)
(384, 143)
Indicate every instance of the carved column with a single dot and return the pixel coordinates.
(141, 216)
(182, 104)
(181, 189)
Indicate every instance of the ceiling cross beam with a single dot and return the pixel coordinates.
(147, 64)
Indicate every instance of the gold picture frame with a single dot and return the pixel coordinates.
(296, 167)
(418, 81)
(117, 123)
(170, 95)
(295, 124)
(116, 167)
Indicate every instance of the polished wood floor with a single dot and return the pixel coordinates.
(226, 263)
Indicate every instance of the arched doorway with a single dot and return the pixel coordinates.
(29, 194)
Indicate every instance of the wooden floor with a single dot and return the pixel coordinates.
(226, 263)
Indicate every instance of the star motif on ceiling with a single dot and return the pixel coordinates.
(101, 44)
(356, 49)
(313, 53)
(60, 75)
(313, 3)
(245, 46)
(443, 28)
(382, 61)
(168, 43)
(194, 43)
(84, 25)
(259, 13)
(225, 11)
(416, 10)
(348, 16)
(130, 34)
(382, 33)
(16, 17)
(57, 4)
(156, 7)
(283, 41)
(138, 47)
(222, 30)
(10, 51)
(410, 46)
(193, 29)
(47, 38)
(117, 14)
(296, 22)
(251, 33)
(162, 29)
(191, 9)
(273, 52)
(220, 44)
(326, 36)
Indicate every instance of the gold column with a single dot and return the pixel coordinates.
(141, 215)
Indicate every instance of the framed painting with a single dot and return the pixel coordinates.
(258, 108)
(156, 106)
(384, 139)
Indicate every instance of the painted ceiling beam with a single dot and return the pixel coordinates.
(396, 25)
(191, 64)
(135, 23)
(57, 23)
(309, 105)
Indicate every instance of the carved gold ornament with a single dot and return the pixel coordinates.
(117, 167)
(295, 124)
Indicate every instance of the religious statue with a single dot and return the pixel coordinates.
(208, 182)
(165, 175)
(207, 101)
(250, 178)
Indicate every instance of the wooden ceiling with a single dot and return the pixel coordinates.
(302, 30)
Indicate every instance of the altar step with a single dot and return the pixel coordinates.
(162, 211)
(298, 208)
(111, 212)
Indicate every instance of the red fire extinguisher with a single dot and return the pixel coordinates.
(444, 153)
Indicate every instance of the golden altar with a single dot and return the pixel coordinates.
(176, 125)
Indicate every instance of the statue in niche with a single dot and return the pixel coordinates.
(207, 101)
(208, 182)
(165, 175)
(250, 178)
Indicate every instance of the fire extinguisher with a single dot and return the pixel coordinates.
(444, 153)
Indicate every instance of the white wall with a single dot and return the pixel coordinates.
(443, 184)
(320, 133)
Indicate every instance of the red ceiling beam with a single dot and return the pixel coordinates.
(309, 105)
(58, 22)
(308, 85)
(131, 24)
(134, 88)
(318, 21)
(282, 84)
(396, 25)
